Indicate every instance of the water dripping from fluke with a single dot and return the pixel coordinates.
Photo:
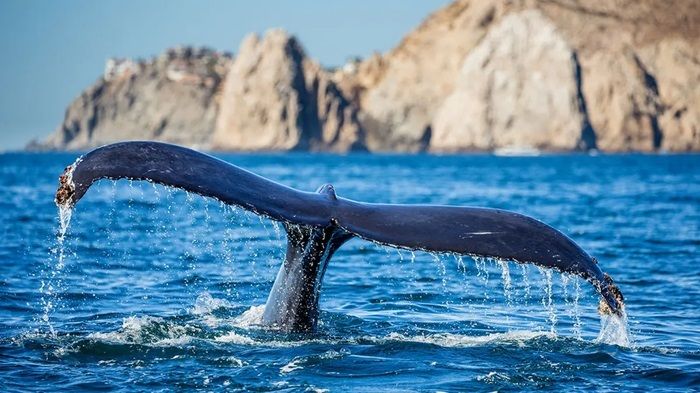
(547, 301)
(51, 284)
(317, 224)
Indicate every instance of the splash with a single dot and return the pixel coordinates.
(250, 318)
(614, 330)
(205, 306)
(524, 271)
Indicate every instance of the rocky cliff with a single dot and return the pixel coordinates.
(555, 75)
(173, 97)
(275, 98)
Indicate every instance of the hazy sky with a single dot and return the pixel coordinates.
(51, 50)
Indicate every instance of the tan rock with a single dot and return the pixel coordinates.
(675, 65)
(340, 130)
(517, 88)
(622, 100)
(140, 101)
(415, 78)
(274, 98)
(261, 106)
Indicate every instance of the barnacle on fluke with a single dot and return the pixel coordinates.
(603, 307)
(66, 187)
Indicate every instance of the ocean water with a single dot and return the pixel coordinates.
(151, 288)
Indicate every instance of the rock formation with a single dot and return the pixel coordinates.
(171, 98)
(517, 88)
(275, 98)
(613, 91)
(476, 75)
(405, 88)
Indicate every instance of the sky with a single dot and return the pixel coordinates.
(51, 50)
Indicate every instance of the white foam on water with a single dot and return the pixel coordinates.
(251, 317)
(298, 362)
(233, 361)
(315, 389)
(493, 377)
(519, 337)
(148, 330)
(235, 338)
(294, 365)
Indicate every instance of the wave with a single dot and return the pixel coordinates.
(210, 321)
(153, 331)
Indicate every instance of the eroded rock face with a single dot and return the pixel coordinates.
(633, 62)
(517, 88)
(340, 130)
(263, 96)
(675, 65)
(274, 98)
(170, 98)
(401, 92)
(623, 101)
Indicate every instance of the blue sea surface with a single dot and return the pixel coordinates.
(157, 289)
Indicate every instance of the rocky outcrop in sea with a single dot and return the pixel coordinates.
(555, 75)
(276, 98)
(173, 97)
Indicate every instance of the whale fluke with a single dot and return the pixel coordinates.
(318, 223)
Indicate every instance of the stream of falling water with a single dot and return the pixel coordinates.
(575, 309)
(52, 285)
(505, 276)
(547, 301)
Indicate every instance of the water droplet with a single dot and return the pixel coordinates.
(547, 300)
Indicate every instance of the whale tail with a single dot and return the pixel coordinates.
(320, 222)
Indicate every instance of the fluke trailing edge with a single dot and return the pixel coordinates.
(318, 223)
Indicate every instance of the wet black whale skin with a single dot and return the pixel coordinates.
(318, 223)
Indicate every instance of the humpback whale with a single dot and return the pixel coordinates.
(319, 223)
